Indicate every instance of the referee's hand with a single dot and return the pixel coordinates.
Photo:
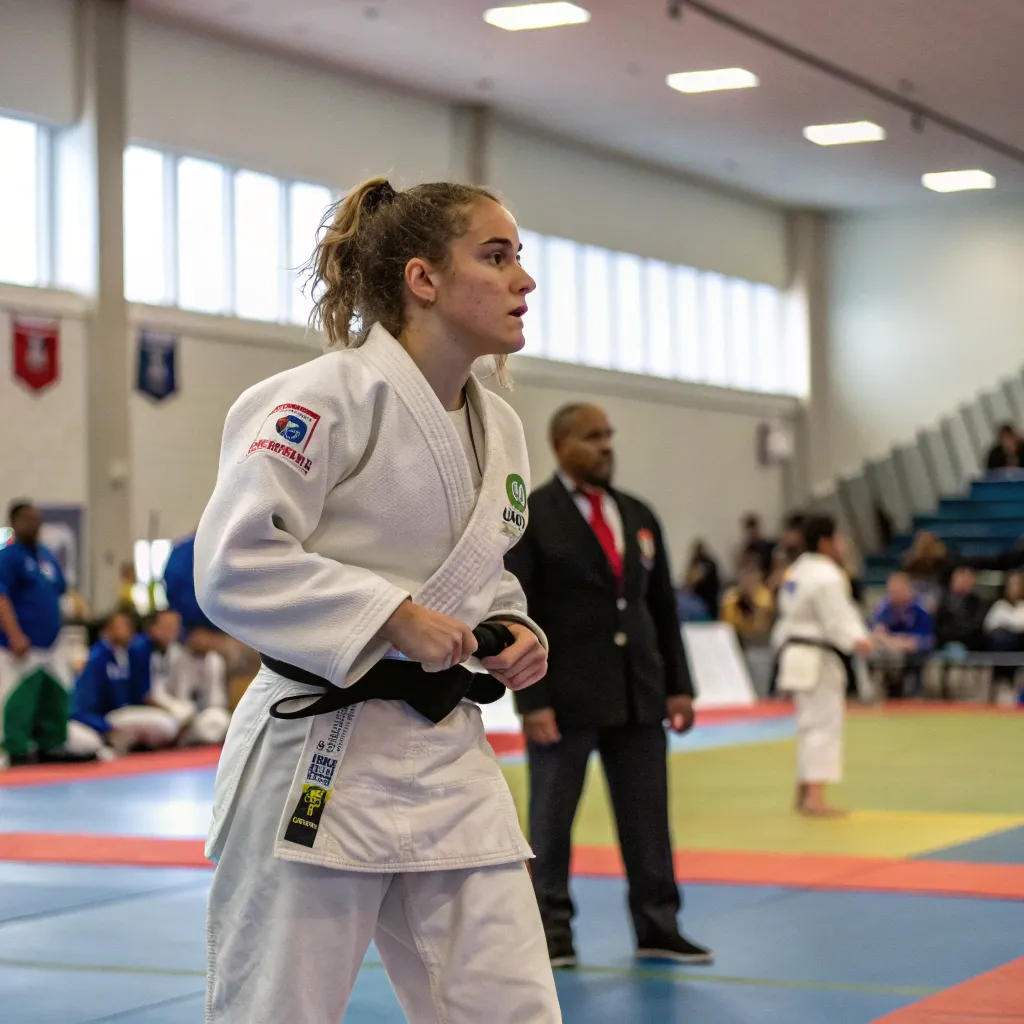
(541, 727)
(680, 713)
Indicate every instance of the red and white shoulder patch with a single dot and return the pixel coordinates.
(286, 433)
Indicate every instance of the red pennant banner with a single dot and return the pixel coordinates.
(36, 352)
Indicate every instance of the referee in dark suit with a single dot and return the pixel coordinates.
(596, 574)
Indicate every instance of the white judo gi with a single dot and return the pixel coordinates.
(815, 604)
(343, 489)
(194, 689)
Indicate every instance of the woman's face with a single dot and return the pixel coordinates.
(481, 294)
(1015, 587)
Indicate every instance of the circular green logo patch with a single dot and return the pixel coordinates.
(516, 492)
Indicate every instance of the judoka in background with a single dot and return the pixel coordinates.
(818, 630)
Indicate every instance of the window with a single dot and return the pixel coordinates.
(145, 249)
(658, 281)
(20, 195)
(258, 254)
(630, 335)
(689, 352)
(597, 316)
(713, 336)
(307, 205)
(740, 328)
(768, 354)
(202, 236)
(560, 280)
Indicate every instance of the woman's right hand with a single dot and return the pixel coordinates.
(432, 639)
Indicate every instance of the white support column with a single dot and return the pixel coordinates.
(102, 61)
(808, 289)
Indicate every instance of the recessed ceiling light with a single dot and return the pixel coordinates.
(712, 81)
(548, 15)
(957, 181)
(844, 134)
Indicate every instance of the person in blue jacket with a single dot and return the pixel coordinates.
(199, 634)
(110, 713)
(33, 676)
(904, 628)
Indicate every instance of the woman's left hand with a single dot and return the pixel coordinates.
(522, 664)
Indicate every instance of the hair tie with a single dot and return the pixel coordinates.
(378, 196)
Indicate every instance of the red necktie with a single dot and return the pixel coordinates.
(603, 532)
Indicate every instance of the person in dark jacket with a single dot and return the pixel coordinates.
(1008, 451)
(595, 570)
(960, 616)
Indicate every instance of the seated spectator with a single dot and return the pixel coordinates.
(108, 716)
(754, 545)
(1007, 452)
(928, 564)
(961, 613)
(1004, 626)
(749, 606)
(902, 626)
(690, 606)
(192, 688)
(702, 577)
(788, 549)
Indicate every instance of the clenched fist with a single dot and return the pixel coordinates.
(436, 641)
(522, 664)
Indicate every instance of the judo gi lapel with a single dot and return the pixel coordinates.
(475, 521)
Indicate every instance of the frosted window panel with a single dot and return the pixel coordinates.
(796, 360)
(768, 354)
(596, 326)
(145, 269)
(19, 228)
(713, 328)
(534, 324)
(629, 319)
(202, 243)
(687, 343)
(658, 280)
(562, 300)
(307, 208)
(740, 324)
(257, 246)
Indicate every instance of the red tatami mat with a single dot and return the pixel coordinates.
(134, 764)
(993, 998)
(834, 873)
(718, 867)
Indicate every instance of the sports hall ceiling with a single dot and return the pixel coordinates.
(604, 82)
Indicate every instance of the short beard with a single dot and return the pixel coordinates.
(596, 479)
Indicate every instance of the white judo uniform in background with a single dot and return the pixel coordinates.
(815, 604)
(194, 689)
(343, 489)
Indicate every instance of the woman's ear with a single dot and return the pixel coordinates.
(419, 281)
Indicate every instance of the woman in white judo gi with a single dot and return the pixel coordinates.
(818, 629)
(363, 505)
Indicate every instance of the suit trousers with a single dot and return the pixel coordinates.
(634, 761)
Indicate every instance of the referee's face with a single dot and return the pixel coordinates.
(585, 452)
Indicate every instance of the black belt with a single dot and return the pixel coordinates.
(824, 645)
(433, 694)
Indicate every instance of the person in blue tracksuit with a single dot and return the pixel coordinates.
(110, 713)
(33, 676)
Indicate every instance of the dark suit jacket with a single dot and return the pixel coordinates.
(614, 657)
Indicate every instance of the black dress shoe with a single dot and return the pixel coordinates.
(561, 954)
(675, 949)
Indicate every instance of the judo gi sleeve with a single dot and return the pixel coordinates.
(839, 616)
(280, 456)
(510, 604)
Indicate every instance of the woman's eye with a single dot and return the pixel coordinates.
(497, 257)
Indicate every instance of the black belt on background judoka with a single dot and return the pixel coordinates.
(806, 641)
(435, 695)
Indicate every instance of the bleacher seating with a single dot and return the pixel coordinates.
(985, 523)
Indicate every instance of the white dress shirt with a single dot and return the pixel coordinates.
(608, 507)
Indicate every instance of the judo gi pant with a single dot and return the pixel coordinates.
(130, 727)
(634, 763)
(820, 718)
(34, 699)
(285, 940)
